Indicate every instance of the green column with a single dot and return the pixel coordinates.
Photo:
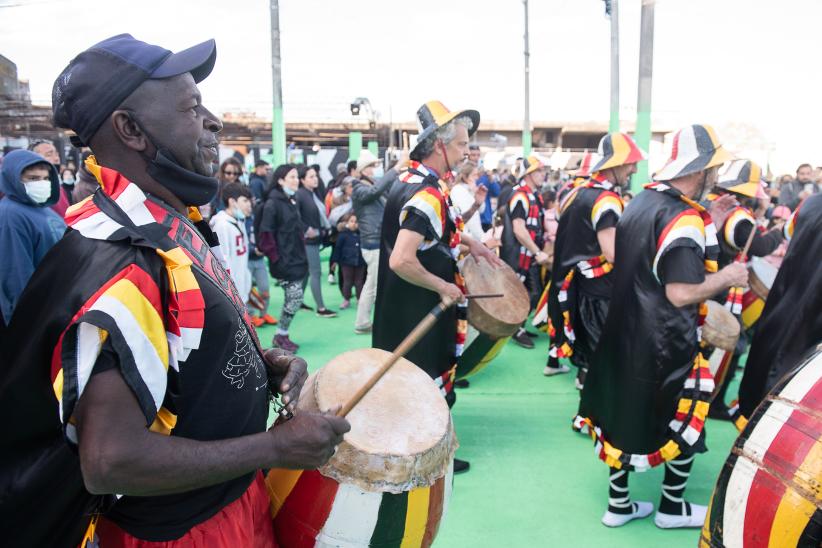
(354, 145)
(526, 143)
(374, 148)
(278, 137)
(642, 136)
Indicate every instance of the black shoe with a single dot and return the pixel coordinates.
(306, 307)
(720, 412)
(532, 334)
(522, 339)
(326, 313)
(461, 466)
(462, 383)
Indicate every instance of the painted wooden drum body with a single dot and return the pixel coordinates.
(769, 492)
(721, 329)
(761, 276)
(493, 320)
(390, 481)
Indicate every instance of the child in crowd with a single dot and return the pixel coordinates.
(347, 254)
(229, 226)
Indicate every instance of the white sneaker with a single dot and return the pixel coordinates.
(331, 279)
(641, 510)
(578, 385)
(676, 521)
(551, 371)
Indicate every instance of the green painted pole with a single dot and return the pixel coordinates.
(374, 148)
(354, 145)
(526, 122)
(642, 135)
(277, 119)
(613, 126)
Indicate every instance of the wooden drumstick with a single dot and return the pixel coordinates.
(747, 247)
(405, 346)
(405, 140)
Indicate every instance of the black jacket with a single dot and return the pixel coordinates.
(368, 201)
(281, 223)
(347, 249)
(309, 213)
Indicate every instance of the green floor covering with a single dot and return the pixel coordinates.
(533, 482)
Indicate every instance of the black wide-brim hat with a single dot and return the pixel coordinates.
(434, 115)
(98, 80)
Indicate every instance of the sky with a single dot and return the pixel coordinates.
(744, 66)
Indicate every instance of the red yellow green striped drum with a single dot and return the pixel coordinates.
(390, 481)
(768, 492)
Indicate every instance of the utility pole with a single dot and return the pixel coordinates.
(612, 9)
(526, 123)
(277, 120)
(642, 135)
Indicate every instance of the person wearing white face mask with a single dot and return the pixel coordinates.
(229, 226)
(28, 226)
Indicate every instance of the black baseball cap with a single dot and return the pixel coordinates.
(97, 81)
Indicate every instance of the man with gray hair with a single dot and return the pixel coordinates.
(419, 246)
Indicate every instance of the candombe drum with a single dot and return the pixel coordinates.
(493, 320)
(768, 492)
(761, 277)
(390, 481)
(720, 332)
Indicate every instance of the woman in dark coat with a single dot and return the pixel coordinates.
(281, 239)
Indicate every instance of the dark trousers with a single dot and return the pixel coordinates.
(352, 276)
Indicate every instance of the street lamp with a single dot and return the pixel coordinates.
(361, 103)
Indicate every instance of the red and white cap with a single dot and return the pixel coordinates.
(695, 149)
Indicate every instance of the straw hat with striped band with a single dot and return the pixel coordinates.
(617, 149)
(530, 165)
(742, 177)
(696, 148)
(433, 115)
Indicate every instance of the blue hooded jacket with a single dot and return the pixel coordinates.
(27, 229)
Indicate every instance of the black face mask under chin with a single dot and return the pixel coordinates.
(189, 187)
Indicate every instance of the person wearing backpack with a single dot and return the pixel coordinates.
(281, 239)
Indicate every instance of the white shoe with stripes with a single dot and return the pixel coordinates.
(693, 516)
(640, 510)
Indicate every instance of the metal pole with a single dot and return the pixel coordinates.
(526, 123)
(614, 124)
(277, 120)
(643, 106)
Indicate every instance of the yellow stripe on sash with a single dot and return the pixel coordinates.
(147, 317)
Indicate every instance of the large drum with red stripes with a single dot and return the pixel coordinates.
(390, 481)
(769, 492)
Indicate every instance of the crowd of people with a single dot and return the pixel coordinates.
(147, 388)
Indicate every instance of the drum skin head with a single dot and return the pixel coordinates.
(499, 317)
(401, 432)
(721, 329)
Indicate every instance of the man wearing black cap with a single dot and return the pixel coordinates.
(160, 382)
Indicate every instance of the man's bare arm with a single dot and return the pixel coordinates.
(682, 294)
(607, 242)
(118, 454)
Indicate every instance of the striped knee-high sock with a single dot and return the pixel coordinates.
(673, 487)
(619, 500)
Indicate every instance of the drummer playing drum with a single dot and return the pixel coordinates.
(420, 244)
(741, 179)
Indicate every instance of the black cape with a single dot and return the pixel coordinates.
(400, 305)
(791, 322)
(648, 346)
